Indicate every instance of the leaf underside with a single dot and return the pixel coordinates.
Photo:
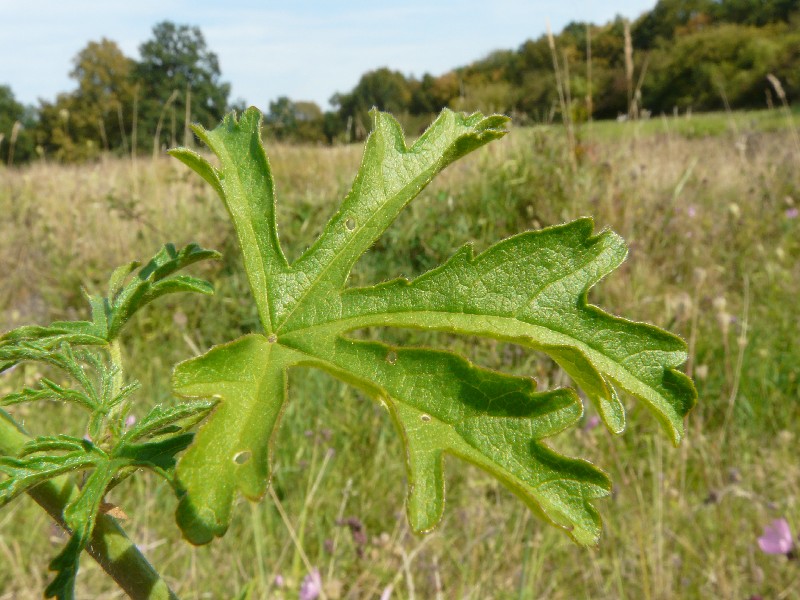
(529, 289)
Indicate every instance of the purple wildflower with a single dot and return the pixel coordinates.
(279, 581)
(311, 586)
(777, 538)
(792, 213)
(691, 211)
(591, 423)
(130, 421)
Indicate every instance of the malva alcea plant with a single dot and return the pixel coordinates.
(530, 289)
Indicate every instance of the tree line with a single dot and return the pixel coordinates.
(681, 55)
(122, 105)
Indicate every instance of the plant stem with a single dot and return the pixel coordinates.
(115, 352)
(110, 546)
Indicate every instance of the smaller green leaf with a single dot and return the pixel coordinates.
(170, 260)
(73, 363)
(80, 516)
(78, 333)
(118, 277)
(66, 564)
(58, 443)
(100, 313)
(178, 284)
(198, 164)
(32, 469)
(124, 392)
(54, 334)
(158, 455)
(24, 473)
(182, 416)
(49, 391)
(110, 314)
(151, 282)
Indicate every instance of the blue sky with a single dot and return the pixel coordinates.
(301, 49)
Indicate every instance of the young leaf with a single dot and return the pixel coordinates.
(76, 333)
(530, 289)
(103, 395)
(158, 455)
(118, 277)
(80, 516)
(152, 281)
(61, 357)
(49, 390)
(57, 443)
(23, 474)
(110, 314)
(179, 417)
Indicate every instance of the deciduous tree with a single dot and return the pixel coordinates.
(177, 68)
(16, 122)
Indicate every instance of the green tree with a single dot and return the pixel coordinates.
(99, 113)
(332, 126)
(490, 97)
(104, 97)
(296, 121)
(65, 133)
(281, 119)
(383, 89)
(699, 69)
(757, 12)
(16, 124)
(177, 69)
(667, 16)
(432, 94)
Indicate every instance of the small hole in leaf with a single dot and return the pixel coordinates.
(426, 418)
(391, 357)
(350, 224)
(272, 338)
(242, 457)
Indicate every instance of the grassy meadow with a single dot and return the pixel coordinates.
(708, 206)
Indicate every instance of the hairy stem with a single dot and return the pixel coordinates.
(115, 352)
(110, 546)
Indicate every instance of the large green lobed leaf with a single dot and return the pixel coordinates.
(529, 289)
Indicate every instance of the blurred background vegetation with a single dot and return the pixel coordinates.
(683, 55)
